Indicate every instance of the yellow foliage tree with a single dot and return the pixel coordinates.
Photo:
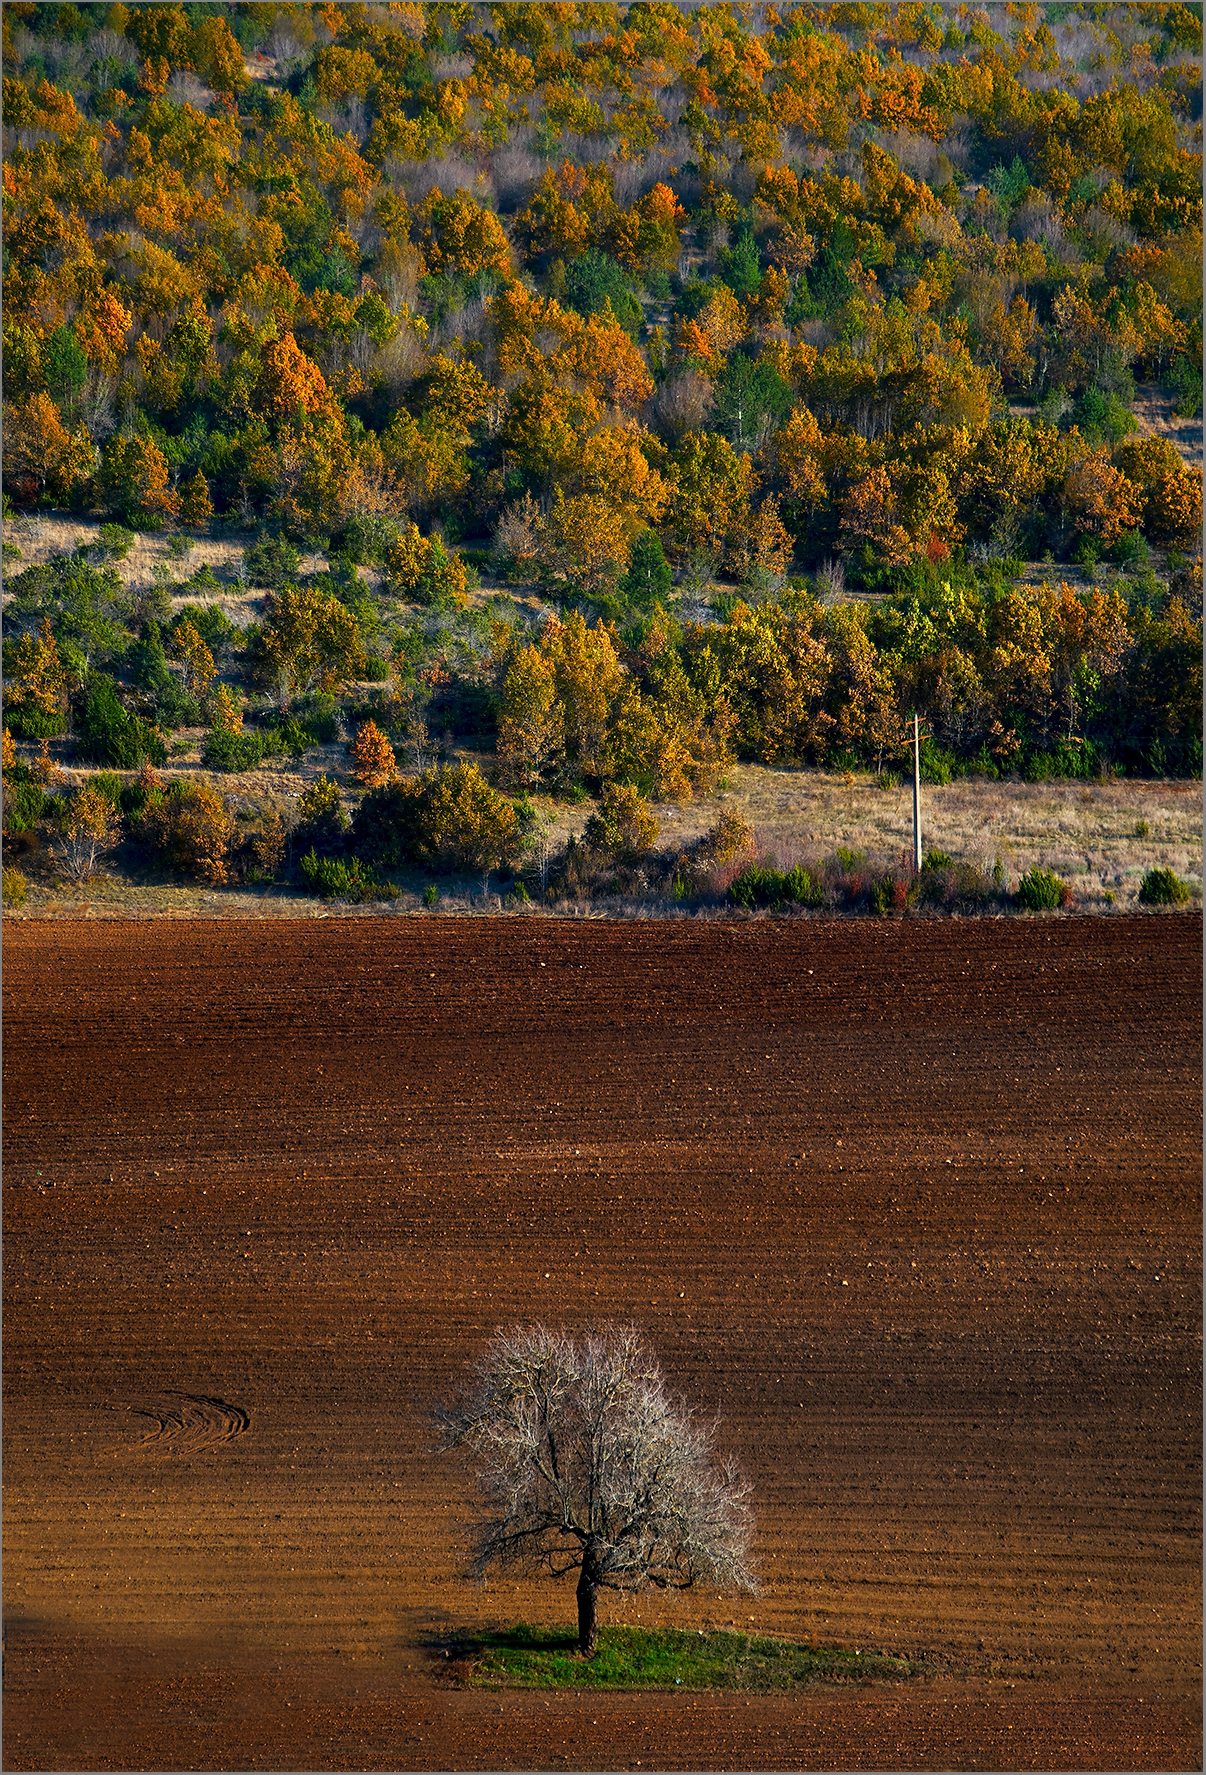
(584, 541)
(457, 235)
(1099, 499)
(38, 680)
(192, 828)
(198, 661)
(90, 825)
(225, 711)
(588, 678)
(310, 640)
(531, 722)
(624, 827)
(195, 504)
(373, 761)
(40, 454)
(289, 382)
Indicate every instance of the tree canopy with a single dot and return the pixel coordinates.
(585, 1464)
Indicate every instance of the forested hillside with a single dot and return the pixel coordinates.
(756, 350)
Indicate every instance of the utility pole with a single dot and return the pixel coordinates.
(916, 795)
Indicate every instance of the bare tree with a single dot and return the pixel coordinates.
(584, 1463)
(683, 404)
(89, 826)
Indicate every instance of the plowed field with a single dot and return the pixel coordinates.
(915, 1206)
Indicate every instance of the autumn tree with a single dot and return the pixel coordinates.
(134, 479)
(712, 486)
(583, 542)
(195, 503)
(310, 640)
(373, 761)
(588, 677)
(623, 828)
(225, 710)
(40, 454)
(36, 697)
(44, 769)
(1099, 498)
(584, 1463)
(191, 828)
(531, 721)
(195, 656)
(89, 826)
(448, 818)
(420, 568)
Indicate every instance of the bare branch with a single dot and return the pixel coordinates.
(581, 1440)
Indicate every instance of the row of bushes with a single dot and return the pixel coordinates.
(943, 883)
(450, 820)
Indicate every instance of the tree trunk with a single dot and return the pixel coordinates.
(588, 1589)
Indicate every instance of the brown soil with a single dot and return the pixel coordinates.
(914, 1206)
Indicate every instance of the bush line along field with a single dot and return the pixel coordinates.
(589, 399)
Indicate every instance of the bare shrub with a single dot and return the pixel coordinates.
(402, 361)
(284, 49)
(90, 826)
(585, 1464)
(830, 581)
(683, 404)
(517, 538)
(1038, 219)
(516, 171)
(416, 179)
(1107, 232)
(397, 271)
(187, 88)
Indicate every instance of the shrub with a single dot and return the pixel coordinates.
(110, 785)
(623, 828)
(115, 541)
(290, 736)
(1040, 890)
(14, 887)
(271, 562)
(367, 537)
(226, 751)
(320, 816)
(953, 885)
(937, 766)
(449, 818)
(760, 885)
(430, 895)
(339, 878)
(27, 722)
(25, 803)
(107, 732)
(1161, 887)
(191, 828)
(212, 624)
(319, 716)
(266, 850)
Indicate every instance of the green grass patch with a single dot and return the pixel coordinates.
(646, 1658)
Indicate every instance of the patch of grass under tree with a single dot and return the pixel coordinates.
(647, 1658)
